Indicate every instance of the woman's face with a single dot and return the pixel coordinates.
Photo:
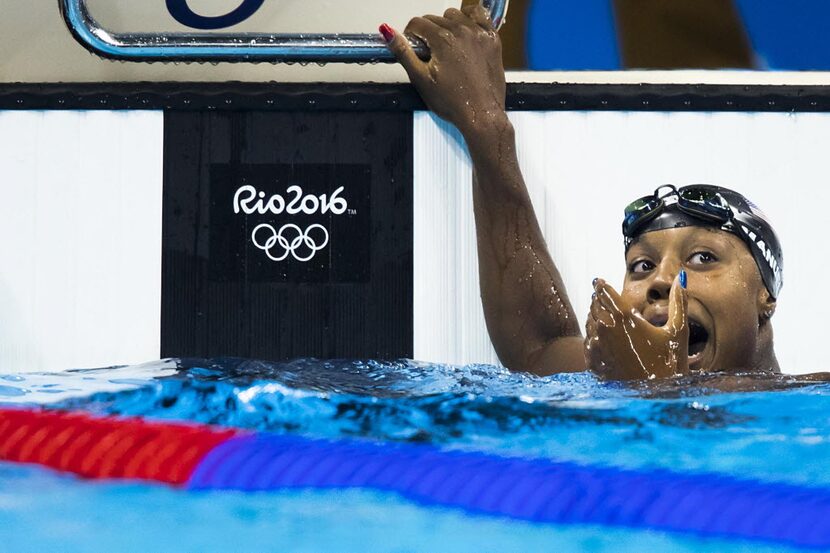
(727, 298)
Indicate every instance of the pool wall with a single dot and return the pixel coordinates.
(138, 233)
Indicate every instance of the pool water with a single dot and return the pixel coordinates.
(689, 427)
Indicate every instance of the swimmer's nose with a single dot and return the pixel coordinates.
(661, 283)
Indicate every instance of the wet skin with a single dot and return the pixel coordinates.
(621, 343)
(529, 318)
(726, 296)
(642, 332)
(723, 315)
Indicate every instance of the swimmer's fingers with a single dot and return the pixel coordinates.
(596, 358)
(451, 27)
(442, 22)
(599, 314)
(427, 30)
(406, 56)
(620, 309)
(590, 327)
(457, 16)
(592, 335)
(591, 352)
(460, 19)
(479, 15)
(591, 345)
(609, 298)
(678, 308)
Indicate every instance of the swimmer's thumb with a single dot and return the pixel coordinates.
(678, 305)
(403, 52)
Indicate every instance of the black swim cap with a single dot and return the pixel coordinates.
(747, 222)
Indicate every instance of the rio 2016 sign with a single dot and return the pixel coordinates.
(181, 12)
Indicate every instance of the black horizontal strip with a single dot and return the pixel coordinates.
(236, 96)
(232, 96)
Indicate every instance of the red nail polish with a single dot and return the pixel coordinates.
(387, 32)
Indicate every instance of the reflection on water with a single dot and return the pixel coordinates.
(684, 425)
(49, 388)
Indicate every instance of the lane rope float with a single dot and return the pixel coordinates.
(200, 457)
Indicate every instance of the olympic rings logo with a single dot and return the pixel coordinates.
(303, 246)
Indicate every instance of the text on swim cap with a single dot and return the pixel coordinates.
(768, 255)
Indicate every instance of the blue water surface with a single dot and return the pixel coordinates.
(778, 431)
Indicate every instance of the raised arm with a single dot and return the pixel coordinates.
(529, 317)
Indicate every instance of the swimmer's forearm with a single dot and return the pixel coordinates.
(491, 142)
(525, 304)
(463, 82)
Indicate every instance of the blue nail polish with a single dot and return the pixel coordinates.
(683, 278)
(594, 282)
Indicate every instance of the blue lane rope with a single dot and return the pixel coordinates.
(526, 489)
(206, 458)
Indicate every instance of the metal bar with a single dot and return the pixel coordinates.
(239, 47)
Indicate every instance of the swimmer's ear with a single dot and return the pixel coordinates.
(766, 305)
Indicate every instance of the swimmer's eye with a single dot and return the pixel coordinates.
(702, 258)
(642, 266)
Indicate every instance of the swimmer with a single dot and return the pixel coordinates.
(703, 266)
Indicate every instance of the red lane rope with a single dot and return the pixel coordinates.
(201, 457)
(106, 447)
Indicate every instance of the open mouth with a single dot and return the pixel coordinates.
(698, 338)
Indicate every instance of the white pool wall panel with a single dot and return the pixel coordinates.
(80, 276)
(582, 168)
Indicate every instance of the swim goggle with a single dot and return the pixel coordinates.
(700, 201)
(713, 205)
